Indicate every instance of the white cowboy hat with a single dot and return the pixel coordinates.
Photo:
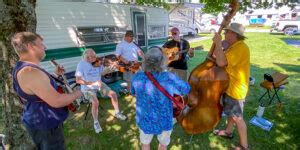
(237, 28)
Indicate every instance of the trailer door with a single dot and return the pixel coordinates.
(139, 22)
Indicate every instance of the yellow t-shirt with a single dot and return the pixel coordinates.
(238, 69)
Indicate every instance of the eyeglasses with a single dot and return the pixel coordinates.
(174, 33)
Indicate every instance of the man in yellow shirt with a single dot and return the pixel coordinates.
(236, 60)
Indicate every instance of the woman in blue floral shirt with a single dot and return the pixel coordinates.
(154, 111)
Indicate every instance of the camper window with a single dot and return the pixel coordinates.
(91, 39)
(269, 16)
(99, 35)
(114, 37)
(156, 31)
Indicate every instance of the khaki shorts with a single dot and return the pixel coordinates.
(164, 138)
(103, 90)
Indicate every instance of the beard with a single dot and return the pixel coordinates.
(176, 37)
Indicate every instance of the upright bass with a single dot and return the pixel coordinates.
(208, 82)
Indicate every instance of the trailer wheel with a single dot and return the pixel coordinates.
(290, 30)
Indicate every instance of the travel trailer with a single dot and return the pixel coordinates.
(186, 17)
(68, 28)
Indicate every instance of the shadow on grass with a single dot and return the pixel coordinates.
(124, 134)
(116, 134)
(289, 67)
(285, 118)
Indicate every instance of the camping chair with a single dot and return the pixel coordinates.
(273, 83)
(88, 109)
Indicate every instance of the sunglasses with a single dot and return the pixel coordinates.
(174, 33)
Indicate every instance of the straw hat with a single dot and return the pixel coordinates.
(237, 28)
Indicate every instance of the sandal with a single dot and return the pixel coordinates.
(240, 147)
(224, 134)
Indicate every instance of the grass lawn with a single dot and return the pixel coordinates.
(258, 27)
(269, 53)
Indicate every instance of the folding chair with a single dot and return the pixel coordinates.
(89, 107)
(273, 83)
(87, 110)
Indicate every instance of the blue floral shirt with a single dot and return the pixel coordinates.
(154, 111)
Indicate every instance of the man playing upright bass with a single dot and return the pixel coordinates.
(236, 60)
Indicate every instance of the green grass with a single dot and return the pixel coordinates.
(205, 34)
(269, 53)
(258, 27)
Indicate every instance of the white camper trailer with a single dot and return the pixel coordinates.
(69, 27)
(186, 17)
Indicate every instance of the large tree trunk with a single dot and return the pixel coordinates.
(16, 16)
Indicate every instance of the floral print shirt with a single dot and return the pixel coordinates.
(154, 111)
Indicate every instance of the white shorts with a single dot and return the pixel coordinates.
(163, 138)
(127, 75)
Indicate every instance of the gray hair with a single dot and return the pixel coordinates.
(154, 60)
(20, 41)
(88, 50)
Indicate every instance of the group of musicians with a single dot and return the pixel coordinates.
(45, 108)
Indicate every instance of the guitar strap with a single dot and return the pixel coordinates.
(181, 45)
(182, 55)
(161, 89)
(137, 45)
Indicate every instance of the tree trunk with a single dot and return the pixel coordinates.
(16, 16)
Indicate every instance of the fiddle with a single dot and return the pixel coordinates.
(106, 61)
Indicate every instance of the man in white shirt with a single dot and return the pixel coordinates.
(127, 51)
(89, 77)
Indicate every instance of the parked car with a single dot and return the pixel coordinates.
(207, 28)
(288, 27)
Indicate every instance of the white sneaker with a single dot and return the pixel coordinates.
(120, 116)
(97, 127)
